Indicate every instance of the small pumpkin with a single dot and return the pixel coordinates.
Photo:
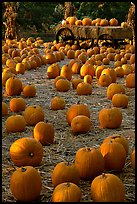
(132, 159)
(130, 80)
(4, 109)
(53, 71)
(57, 103)
(63, 85)
(17, 104)
(66, 72)
(115, 88)
(26, 151)
(110, 118)
(119, 71)
(88, 79)
(89, 162)
(66, 192)
(20, 68)
(44, 132)
(105, 80)
(76, 67)
(87, 69)
(26, 184)
(5, 76)
(113, 22)
(86, 21)
(15, 123)
(84, 89)
(114, 155)
(33, 114)
(104, 22)
(120, 100)
(75, 82)
(13, 86)
(107, 188)
(80, 124)
(70, 54)
(77, 109)
(65, 172)
(29, 91)
(57, 78)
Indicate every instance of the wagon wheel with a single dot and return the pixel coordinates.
(65, 35)
(106, 40)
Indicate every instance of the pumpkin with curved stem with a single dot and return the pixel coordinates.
(66, 192)
(110, 118)
(80, 124)
(26, 184)
(17, 104)
(120, 100)
(44, 132)
(89, 162)
(29, 91)
(13, 86)
(65, 172)
(77, 109)
(57, 103)
(26, 151)
(114, 155)
(115, 88)
(15, 123)
(107, 188)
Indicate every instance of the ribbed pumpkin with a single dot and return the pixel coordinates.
(113, 22)
(84, 89)
(107, 188)
(13, 86)
(77, 109)
(132, 159)
(110, 118)
(29, 91)
(115, 88)
(105, 80)
(17, 104)
(53, 71)
(118, 138)
(4, 109)
(86, 22)
(130, 80)
(66, 72)
(20, 68)
(70, 54)
(89, 162)
(15, 123)
(33, 114)
(120, 100)
(26, 184)
(103, 22)
(114, 155)
(72, 20)
(66, 192)
(87, 69)
(65, 172)
(57, 103)
(63, 85)
(26, 151)
(44, 132)
(80, 124)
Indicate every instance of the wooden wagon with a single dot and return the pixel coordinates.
(114, 34)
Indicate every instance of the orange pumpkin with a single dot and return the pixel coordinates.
(44, 132)
(26, 184)
(98, 70)
(4, 109)
(70, 54)
(119, 71)
(104, 22)
(110, 118)
(120, 100)
(107, 188)
(33, 114)
(57, 78)
(113, 22)
(15, 123)
(72, 20)
(105, 80)
(130, 80)
(26, 151)
(132, 159)
(20, 68)
(111, 72)
(76, 67)
(86, 22)
(66, 192)
(115, 88)
(65, 172)
(66, 72)
(57, 103)
(84, 89)
(5, 76)
(29, 91)
(17, 104)
(89, 162)
(80, 124)
(13, 86)
(75, 82)
(63, 85)
(53, 71)
(87, 69)
(88, 79)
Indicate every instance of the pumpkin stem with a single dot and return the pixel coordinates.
(31, 154)
(88, 149)
(68, 184)
(23, 169)
(104, 175)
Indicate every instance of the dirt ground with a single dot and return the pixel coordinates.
(65, 143)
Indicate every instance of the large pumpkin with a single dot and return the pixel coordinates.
(80, 124)
(65, 172)
(15, 123)
(44, 133)
(33, 114)
(26, 151)
(66, 192)
(89, 162)
(77, 109)
(110, 118)
(26, 184)
(13, 86)
(107, 188)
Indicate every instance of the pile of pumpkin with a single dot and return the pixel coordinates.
(72, 20)
(27, 152)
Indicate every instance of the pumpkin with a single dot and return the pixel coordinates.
(17, 104)
(110, 56)
(80, 124)
(107, 188)
(13, 86)
(26, 184)
(77, 109)
(84, 89)
(132, 59)
(124, 24)
(50, 58)
(113, 22)
(65, 172)
(132, 159)
(44, 132)
(63, 85)
(57, 103)
(104, 22)
(120, 100)
(83, 57)
(72, 20)
(98, 70)
(33, 114)
(115, 88)
(20, 68)
(130, 80)
(86, 22)
(15, 123)
(66, 72)
(57, 78)
(87, 69)
(4, 109)
(75, 82)
(89, 162)
(126, 69)
(26, 151)
(110, 118)
(70, 54)
(10, 63)
(105, 61)
(111, 72)
(5, 76)
(53, 71)
(66, 192)
(76, 67)
(105, 80)
(118, 138)
(119, 71)
(78, 22)
(88, 79)
(29, 91)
